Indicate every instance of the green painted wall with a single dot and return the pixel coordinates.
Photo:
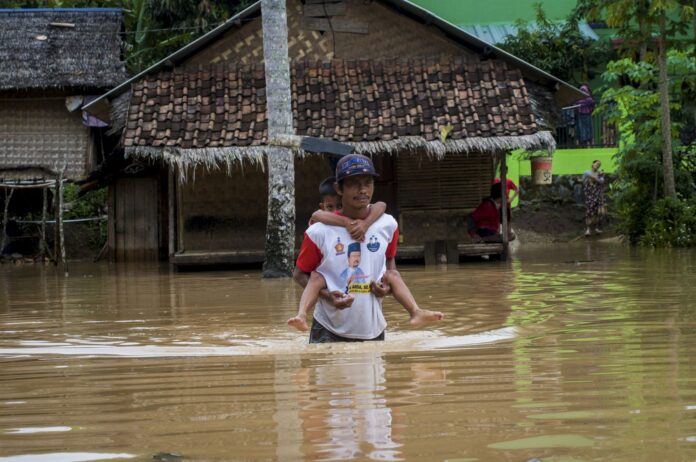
(474, 12)
(565, 162)
(570, 161)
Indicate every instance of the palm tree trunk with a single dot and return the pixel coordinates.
(667, 163)
(280, 224)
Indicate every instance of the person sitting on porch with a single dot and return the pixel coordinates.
(484, 223)
(326, 254)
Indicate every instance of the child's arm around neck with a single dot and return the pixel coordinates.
(356, 227)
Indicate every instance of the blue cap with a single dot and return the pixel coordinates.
(353, 247)
(354, 164)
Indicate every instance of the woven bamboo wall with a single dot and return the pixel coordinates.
(42, 133)
(389, 35)
(436, 196)
(222, 212)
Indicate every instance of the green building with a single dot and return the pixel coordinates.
(497, 20)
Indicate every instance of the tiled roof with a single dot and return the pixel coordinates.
(352, 101)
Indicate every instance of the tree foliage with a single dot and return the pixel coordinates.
(634, 108)
(558, 48)
(646, 24)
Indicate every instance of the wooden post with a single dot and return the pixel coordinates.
(179, 211)
(59, 244)
(43, 247)
(56, 218)
(171, 214)
(8, 197)
(61, 229)
(111, 221)
(504, 204)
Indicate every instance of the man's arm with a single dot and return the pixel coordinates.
(336, 298)
(380, 288)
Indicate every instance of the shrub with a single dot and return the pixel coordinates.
(671, 223)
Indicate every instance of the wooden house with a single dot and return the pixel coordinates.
(50, 61)
(384, 76)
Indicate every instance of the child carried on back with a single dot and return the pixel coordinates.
(391, 281)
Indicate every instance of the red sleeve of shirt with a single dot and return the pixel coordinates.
(511, 186)
(310, 255)
(391, 248)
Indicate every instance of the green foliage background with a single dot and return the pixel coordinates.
(558, 48)
(631, 100)
(646, 216)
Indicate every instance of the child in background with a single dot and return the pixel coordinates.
(330, 202)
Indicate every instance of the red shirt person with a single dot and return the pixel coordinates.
(484, 222)
(509, 186)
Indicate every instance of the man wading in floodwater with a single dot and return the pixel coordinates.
(349, 309)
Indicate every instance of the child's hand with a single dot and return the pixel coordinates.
(380, 289)
(357, 230)
(341, 300)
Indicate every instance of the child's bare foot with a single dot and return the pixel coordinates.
(423, 317)
(299, 323)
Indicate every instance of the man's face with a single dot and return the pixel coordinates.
(329, 203)
(357, 191)
(354, 259)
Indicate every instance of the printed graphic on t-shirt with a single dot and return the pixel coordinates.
(356, 281)
(373, 244)
(339, 247)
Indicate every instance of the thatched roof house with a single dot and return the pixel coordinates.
(61, 48)
(216, 114)
(435, 106)
(47, 56)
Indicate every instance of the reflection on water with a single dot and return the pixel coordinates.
(564, 353)
(344, 411)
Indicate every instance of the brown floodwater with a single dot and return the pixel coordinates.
(579, 353)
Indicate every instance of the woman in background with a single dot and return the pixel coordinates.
(595, 202)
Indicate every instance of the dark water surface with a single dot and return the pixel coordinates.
(564, 354)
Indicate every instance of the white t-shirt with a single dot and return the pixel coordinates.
(349, 266)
